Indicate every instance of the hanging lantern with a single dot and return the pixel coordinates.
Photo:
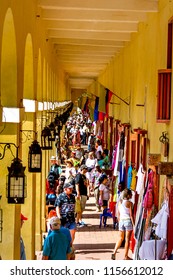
(35, 157)
(52, 130)
(16, 182)
(46, 142)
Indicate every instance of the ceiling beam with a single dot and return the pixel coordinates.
(92, 26)
(92, 15)
(103, 49)
(119, 36)
(86, 42)
(117, 5)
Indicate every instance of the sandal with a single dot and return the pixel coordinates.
(128, 258)
(113, 257)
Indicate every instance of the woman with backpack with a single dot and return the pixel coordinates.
(126, 223)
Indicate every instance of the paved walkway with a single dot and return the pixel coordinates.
(92, 242)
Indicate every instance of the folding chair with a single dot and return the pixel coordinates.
(103, 217)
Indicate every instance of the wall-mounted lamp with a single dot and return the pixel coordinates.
(35, 152)
(165, 143)
(1, 220)
(35, 157)
(16, 179)
(52, 127)
(46, 136)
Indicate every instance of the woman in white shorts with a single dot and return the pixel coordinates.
(126, 223)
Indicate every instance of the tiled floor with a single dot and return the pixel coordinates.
(92, 242)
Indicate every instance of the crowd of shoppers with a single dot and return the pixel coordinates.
(85, 162)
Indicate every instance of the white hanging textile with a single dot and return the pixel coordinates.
(160, 220)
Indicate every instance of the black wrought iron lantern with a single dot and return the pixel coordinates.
(52, 128)
(35, 157)
(46, 139)
(16, 182)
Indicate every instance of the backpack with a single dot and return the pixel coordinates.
(149, 197)
(51, 179)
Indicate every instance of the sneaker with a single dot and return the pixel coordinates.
(83, 223)
(79, 225)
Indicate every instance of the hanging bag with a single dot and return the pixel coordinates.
(148, 198)
(77, 206)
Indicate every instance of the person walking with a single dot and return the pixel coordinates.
(65, 208)
(52, 181)
(65, 231)
(90, 163)
(56, 245)
(95, 181)
(126, 223)
(81, 184)
(70, 171)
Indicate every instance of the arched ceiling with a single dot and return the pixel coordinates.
(88, 34)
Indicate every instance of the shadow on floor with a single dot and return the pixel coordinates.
(93, 247)
(96, 228)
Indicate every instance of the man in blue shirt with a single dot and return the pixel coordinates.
(56, 244)
(65, 208)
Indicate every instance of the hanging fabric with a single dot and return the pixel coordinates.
(161, 220)
(153, 250)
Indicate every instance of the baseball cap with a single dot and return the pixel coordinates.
(68, 185)
(23, 218)
(53, 158)
(55, 222)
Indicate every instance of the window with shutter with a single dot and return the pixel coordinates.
(164, 95)
(164, 84)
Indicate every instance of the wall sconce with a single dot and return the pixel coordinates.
(16, 179)
(165, 143)
(35, 157)
(35, 153)
(52, 127)
(46, 139)
(1, 220)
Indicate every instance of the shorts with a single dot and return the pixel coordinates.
(105, 203)
(70, 225)
(125, 225)
(83, 200)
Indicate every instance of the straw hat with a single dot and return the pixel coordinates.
(69, 161)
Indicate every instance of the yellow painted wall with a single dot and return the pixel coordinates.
(28, 69)
(133, 73)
